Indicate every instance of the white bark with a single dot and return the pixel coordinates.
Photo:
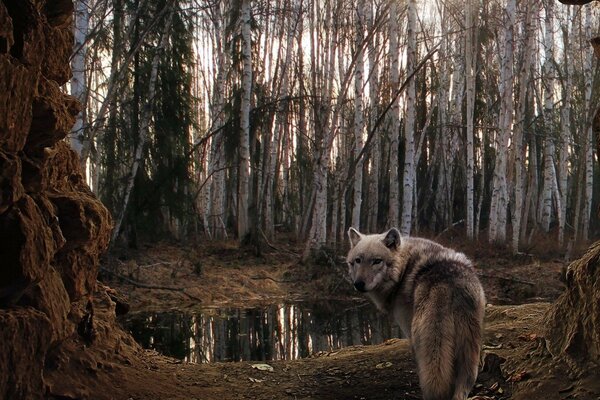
(78, 67)
(565, 135)
(471, 67)
(243, 221)
(589, 157)
(549, 147)
(409, 127)
(279, 130)
(359, 123)
(531, 13)
(375, 158)
(499, 205)
(318, 234)
(444, 141)
(215, 209)
(394, 205)
(145, 120)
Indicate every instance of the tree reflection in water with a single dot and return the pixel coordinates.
(284, 331)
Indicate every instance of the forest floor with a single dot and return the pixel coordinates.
(517, 365)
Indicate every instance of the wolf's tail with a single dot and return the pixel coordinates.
(446, 344)
(433, 336)
(467, 348)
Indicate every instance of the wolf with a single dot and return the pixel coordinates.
(434, 295)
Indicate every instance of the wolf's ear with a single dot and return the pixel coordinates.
(354, 236)
(392, 239)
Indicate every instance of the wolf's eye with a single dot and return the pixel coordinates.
(357, 260)
(377, 261)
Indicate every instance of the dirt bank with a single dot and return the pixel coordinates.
(517, 366)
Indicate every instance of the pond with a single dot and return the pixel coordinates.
(278, 332)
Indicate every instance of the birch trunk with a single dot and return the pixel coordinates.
(394, 205)
(409, 127)
(359, 124)
(318, 235)
(443, 142)
(243, 222)
(524, 84)
(216, 209)
(375, 159)
(499, 204)
(279, 130)
(565, 123)
(549, 147)
(78, 81)
(144, 123)
(589, 156)
(471, 67)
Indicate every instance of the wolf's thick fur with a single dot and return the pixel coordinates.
(434, 295)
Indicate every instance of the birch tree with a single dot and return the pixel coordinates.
(529, 29)
(144, 123)
(323, 117)
(409, 127)
(548, 90)
(215, 208)
(499, 201)
(279, 132)
(394, 205)
(78, 67)
(243, 212)
(375, 155)
(359, 124)
(565, 125)
(589, 157)
(470, 69)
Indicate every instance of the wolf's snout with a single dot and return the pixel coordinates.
(360, 286)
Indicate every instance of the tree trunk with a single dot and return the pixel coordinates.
(216, 209)
(144, 123)
(549, 147)
(280, 129)
(471, 68)
(524, 85)
(243, 221)
(409, 127)
(359, 124)
(375, 155)
(78, 67)
(394, 205)
(565, 123)
(589, 147)
(499, 204)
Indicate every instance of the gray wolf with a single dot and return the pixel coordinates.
(434, 295)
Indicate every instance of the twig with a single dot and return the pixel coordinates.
(147, 286)
(450, 227)
(503, 278)
(275, 248)
(165, 263)
(141, 284)
(274, 280)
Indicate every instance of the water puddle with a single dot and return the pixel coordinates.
(278, 332)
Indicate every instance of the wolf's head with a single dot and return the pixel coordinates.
(371, 259)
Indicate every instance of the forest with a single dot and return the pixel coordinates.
(188, 189)
(252, 119)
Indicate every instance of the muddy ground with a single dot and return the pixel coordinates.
(517, 364)
(164, 277)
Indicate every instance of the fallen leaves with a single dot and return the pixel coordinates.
(263, 367)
